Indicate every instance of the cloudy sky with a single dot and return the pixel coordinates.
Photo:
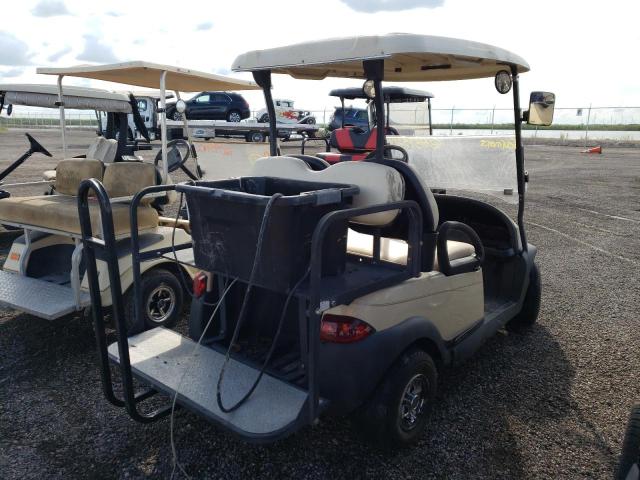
(585, 51)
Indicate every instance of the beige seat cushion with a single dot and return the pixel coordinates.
(60, 213)
(71, 171)
(395, 251)
(378, 184)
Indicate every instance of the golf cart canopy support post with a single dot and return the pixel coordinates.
(374, 70)
(263, 78)
(62, 119)
(517, 121)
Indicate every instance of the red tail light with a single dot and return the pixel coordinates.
(200, 284)
(343, 329)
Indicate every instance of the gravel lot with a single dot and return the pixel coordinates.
(549, 404)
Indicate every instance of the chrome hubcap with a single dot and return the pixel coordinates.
(161, 303)
(413, 402)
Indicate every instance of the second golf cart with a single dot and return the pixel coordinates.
(337, 289)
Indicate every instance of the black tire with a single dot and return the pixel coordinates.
(163, 297)
(234, 116)
(381, 419)
(631, 445)
(531, 306)
(257, 137)
(264, 118)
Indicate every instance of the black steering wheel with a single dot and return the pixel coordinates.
(387, 149)
(178, 152)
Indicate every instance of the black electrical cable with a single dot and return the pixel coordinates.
(243, 308)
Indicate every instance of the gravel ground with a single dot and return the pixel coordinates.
(551, 403)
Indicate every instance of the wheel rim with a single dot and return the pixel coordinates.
(161, 303)
(234, 117)
(413, 401)
(177, 116)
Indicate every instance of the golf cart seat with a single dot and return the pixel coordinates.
(401, 182)
(101, 148)
(352, 144)
(59, 213)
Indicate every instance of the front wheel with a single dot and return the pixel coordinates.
(177, 116)
(396, 415)
(162, 301)
(531, 305)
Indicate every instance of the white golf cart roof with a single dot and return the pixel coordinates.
(408, 57)
(80, 98)
(145, 74)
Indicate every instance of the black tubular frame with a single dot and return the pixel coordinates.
(263, 79)
(105, 249)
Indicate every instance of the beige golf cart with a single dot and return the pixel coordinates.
(340, 289)
(44, 273)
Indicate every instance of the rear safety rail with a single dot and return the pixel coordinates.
(106, 250)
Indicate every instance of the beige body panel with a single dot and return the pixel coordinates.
(125, 263)
(452, 304)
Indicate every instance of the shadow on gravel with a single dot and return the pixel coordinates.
(516, 383)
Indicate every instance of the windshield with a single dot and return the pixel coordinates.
(474, 163)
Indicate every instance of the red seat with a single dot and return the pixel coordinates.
(334, 157)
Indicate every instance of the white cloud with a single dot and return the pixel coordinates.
(13, 51)
(11, 73)
(96, 51)
(59, 54)
(50, 8)
(114, 14)
(204, 26)
(371, 6)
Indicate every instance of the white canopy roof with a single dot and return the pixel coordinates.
(82, 98)
(408, 58)
(145, 74)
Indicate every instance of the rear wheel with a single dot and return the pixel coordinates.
(630, 456)
(396, 415)
(264, 118)
(234, 116)
(162, 301)
(531, 305)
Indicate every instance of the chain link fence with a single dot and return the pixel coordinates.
(570, 123)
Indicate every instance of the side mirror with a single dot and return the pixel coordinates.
(9, 109)
(181, 107)
(541, 107)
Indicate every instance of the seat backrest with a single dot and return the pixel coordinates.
(379, 184)
(125, 179)
(103, 149)
(70, 172)
(348, 140)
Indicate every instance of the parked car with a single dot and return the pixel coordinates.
(286, 113)
(228, 106)
(357, 117)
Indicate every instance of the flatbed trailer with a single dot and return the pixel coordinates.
(250, 131)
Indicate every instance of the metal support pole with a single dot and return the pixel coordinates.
(62, 120)
(493, 116)
(163, 126)
(430, 121)
(451, 121)
(586, 133)
(517, 120)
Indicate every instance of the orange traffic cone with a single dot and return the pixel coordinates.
(597, 149)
